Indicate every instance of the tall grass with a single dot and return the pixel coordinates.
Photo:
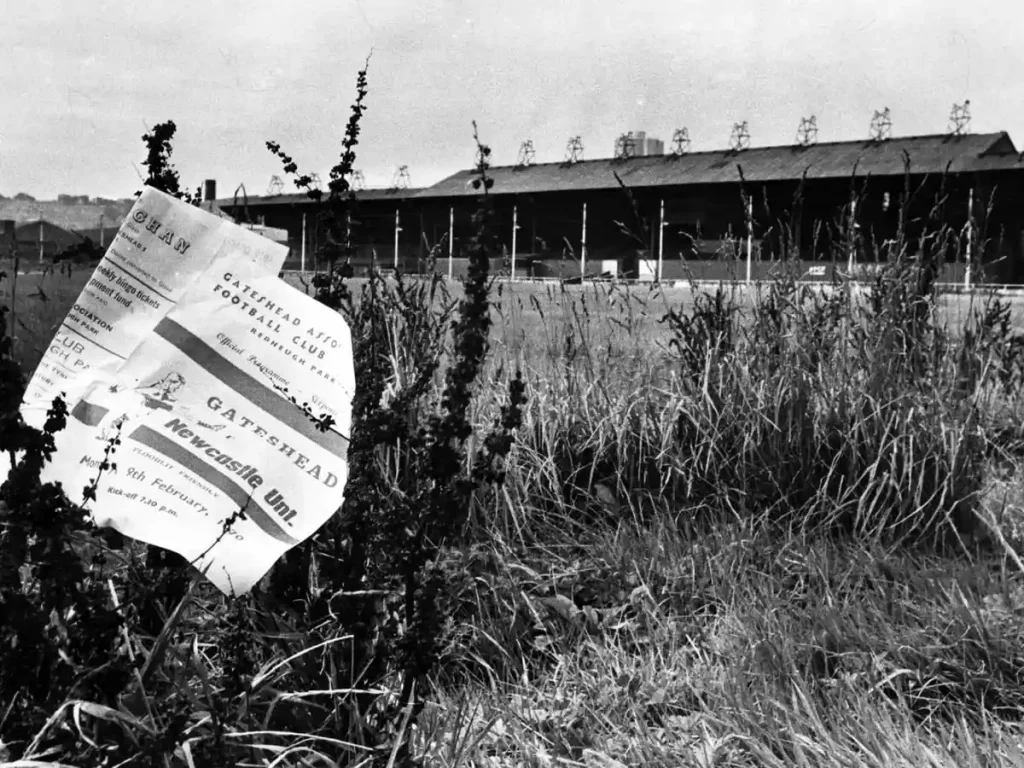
(782, 533)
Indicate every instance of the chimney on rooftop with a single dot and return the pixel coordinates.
(209, 190)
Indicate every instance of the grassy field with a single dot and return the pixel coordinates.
(660, 582)
(616, 321)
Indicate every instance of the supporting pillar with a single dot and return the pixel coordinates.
(661, 242)
(970, 238)
(515, 232)
(852, 259)
(451, 242)
(583, 246)
(397, 230)
(42, 242)
(302, 249)
(750, 237)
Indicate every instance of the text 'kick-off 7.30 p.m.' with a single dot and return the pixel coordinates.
(187, 346)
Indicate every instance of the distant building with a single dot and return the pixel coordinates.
(41, 241)
(74, 217)
(645, 145)
(73, 199)
(642, 145)
(799, 193)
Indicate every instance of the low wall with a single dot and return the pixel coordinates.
(807, 271)
(672, 270)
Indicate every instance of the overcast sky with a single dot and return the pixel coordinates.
(81, 80)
